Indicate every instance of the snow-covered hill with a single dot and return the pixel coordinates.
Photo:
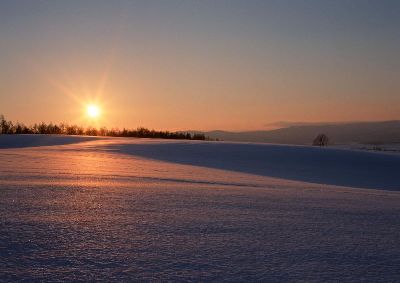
(115, 209)
(332, 166)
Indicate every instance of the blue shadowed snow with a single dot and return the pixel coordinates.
(84, 212)
(18, 141)
(349, 168)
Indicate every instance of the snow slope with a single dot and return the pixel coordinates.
(341, 167)
(349, 168)
(150, 210)
(17, 141)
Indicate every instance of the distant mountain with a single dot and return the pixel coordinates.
(343, 133)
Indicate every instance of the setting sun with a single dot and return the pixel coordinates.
(93, 111)
(200, 140)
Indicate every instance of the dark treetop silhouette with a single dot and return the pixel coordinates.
(8, 127)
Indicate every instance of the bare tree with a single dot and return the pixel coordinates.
(2, 123)
(321, 140)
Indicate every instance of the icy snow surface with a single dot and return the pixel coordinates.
(117, 209)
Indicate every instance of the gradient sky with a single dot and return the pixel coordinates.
(182, 65)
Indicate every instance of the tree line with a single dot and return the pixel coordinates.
(8, 127)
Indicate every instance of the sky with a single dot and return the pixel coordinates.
(203, 65)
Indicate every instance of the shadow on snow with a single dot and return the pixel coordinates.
(309, 164)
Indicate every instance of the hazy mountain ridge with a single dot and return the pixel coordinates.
(357, 132)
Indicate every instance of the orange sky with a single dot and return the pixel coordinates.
(199, 66)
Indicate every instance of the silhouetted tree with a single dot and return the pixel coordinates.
(19, 128)
(321, 140)
(3, 124)
(103, 131)
(199, 137)
(7, 127)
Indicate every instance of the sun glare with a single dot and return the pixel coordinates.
(93, 111)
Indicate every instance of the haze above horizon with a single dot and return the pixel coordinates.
(176, 65)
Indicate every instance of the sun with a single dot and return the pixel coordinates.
(93, 111)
